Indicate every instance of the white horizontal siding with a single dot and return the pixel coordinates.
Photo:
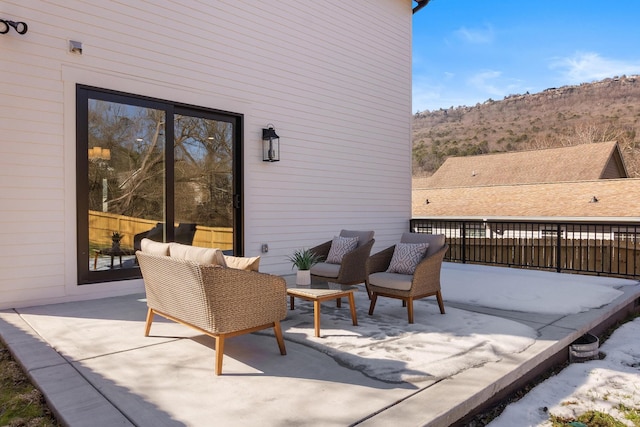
(346, 136)
(334, 77)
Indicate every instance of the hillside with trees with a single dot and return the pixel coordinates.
(607, 110)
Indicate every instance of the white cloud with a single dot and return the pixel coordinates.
(476, 36)
(484, 81)
(425, 96)
(588, 66)
(491, 83)
(433, 94)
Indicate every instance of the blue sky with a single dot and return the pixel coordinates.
(467, 51)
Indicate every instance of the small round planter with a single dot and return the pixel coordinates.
(303, 277)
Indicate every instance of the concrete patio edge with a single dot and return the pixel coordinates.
(72, 399)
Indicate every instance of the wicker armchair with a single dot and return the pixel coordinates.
(217, 301)
(424, 282)
(353, 268)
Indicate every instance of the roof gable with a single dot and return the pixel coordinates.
(576, 163)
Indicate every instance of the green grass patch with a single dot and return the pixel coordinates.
(21, 404)
(632, 414)
(588, 419)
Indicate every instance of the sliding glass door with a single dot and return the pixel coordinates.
(153, 169)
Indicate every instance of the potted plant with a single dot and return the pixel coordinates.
(115, 240)
(303, 260)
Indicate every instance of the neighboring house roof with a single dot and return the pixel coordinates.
(616, 198)
(576, 163)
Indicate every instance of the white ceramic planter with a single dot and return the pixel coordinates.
(303, 277)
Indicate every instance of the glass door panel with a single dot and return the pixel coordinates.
(203, 181)
(126, 181)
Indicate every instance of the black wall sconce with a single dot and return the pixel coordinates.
(270, 145)
(6, 25)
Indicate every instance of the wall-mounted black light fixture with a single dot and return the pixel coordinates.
(270, 144)
(6, 25)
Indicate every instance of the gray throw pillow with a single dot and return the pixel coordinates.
(340, 246)
(406, 257)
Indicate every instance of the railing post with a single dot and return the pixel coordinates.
(558, 248)
(464, 242)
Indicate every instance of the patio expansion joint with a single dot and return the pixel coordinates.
(127, 350)
(397, 402)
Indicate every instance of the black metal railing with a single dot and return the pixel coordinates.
(608, 249)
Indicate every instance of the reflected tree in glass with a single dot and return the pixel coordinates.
(203, 171)
(126, 165)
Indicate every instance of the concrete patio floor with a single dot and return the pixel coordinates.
(95, 367)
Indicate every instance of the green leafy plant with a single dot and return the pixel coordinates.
(304, 259)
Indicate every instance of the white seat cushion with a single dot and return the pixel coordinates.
(325, 269)
(152, 247)
(205, 256)
(243, 263)
(401, 282)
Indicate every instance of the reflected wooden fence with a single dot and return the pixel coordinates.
(103, 224)
(609, 249)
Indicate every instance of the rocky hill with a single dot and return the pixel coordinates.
(590, 112)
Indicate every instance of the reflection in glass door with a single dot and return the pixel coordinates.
(126, 181)
(203, 180)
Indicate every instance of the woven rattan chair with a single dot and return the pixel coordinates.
(217, 301)
(424, 282)
(353, 268)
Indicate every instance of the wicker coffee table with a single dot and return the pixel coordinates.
(319, 292)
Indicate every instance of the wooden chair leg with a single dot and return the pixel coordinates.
(409, 302)
(277, 330)
(374, 297)
(147, 326)
(352, 307)
(366, 286)
(440, 302)
(219, 354)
